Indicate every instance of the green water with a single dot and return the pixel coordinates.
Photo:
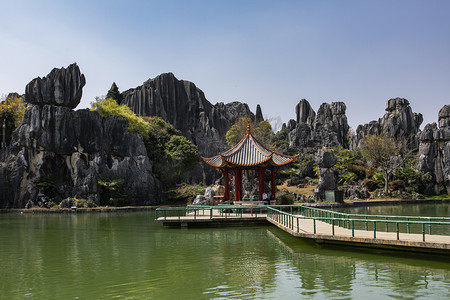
(129, 256)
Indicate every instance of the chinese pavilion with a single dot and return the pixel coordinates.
(248, 154)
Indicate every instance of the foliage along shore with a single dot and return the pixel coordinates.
(347, 203)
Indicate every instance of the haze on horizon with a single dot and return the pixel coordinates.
(272, 53)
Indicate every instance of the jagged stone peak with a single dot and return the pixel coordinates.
(335, 108)
(61, 87)
(396, 104)
(259, 116)
(305, 113)
(444, 116)
(166, 76)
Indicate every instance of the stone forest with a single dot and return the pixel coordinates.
(143, 145)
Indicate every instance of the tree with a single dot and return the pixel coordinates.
(182, 154)
(114, 93)
(262, 132)
(171, 153)
(380, 151)
(348, 161)
(11, 110)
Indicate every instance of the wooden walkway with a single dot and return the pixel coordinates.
(411, 242)
(439, 244)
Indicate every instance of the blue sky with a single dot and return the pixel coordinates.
(272, 53)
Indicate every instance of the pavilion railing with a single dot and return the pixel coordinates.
(291, 216)
(208, 212)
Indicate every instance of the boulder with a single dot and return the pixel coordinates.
(325, 159)
(62, 87)
(327, 174)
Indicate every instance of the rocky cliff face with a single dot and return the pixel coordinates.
(184, 106)
(399, 123)
(434, 152)
(72, 146)
(312, 131)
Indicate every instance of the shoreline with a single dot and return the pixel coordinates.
(348, 203)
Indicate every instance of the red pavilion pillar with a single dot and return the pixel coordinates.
(237, 184)
(261, 182)
(272, 182)
(226, 184)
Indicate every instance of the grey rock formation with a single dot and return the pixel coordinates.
(74, 147)
(434, 152)
(312, 131)
(184, 106)
(259, 116)
(60, 87)
(327, 174)
(398, 122)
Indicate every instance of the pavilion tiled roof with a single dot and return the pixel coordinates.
(248, 152)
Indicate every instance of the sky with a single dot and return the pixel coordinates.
(272, 53)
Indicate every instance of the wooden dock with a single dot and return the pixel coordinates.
(313, 228)
(411, 242)
(216, 219)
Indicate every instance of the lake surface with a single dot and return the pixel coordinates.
(129, 256)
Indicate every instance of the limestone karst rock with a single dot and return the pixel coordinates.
(327, 174)
(61, 87)
(398, 122)
(74, 147)
(434, 152)
(185, 106)
(312, 131)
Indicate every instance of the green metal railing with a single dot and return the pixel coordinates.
(292, 216)
(285, 216)
(197, 211)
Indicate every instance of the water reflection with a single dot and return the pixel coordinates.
(326, 272)
(103, 256)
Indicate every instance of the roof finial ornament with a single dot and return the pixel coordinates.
(248, 126)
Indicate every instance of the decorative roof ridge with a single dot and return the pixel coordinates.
(237, 146)
(257, 163)
(285, 155)
(257, 143)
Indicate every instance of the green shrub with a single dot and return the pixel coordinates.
(109, 107)
(397, 185)
(111, 191)
(83, 203)
(188, 192)
(371, 184)
(285, 198)
(347, 177)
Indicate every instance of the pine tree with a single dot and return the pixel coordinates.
(114, 93)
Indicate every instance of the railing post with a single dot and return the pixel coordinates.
(353, 228)
(332, 225)
(398, 231)
(365, 224)
(314, 221)
(423, 232)
(211, 213)
(374, 229)
(387, 227)
(407, 225)
(298, 228)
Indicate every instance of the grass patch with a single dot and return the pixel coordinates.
(306, 191)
